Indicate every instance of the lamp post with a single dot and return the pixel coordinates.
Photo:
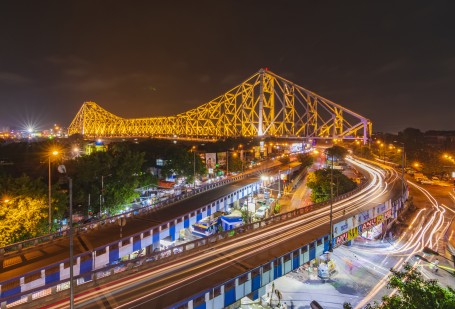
(53, 153)
(241, 155)
(227, 163)
(279, 183)
(62, 170)
(102, 192)
(70, 186)
(194, 166)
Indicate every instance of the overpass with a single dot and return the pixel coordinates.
(301, 238)
(47, 263)
(263, 105)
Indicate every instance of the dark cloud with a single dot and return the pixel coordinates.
(13, 78)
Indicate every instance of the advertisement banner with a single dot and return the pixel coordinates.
(368, 225)
(342, 227)
(379, 219)
(341, 239)
(210, 160)
(353, 233)
(388, 214)
(221, 158)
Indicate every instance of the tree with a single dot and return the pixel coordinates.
(337, 151)
(114, 175)
(414, 292)
(319, 183)
(22, 217)
(306, 159)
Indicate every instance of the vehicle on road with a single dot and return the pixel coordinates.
(260, 213)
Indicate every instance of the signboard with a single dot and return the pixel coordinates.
(341, 239)
(388, 214)
(221, 158)
(368, 225)
(296, 147)
(210, 160)
(353, 233)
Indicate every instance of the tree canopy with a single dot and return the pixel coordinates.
(319, 183)
(414, 292)
(306, 159)
(23, 209)
(337, 151)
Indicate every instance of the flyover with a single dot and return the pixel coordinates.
(250, 261)
(47, 263)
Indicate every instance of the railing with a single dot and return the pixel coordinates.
(95, 224)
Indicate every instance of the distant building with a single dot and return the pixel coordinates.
(440, 139)
(95, 147)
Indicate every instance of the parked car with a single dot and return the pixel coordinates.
(260, 213)
(426, 182)
(434, 178)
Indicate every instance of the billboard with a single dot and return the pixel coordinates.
(221, 158)
(210, 160)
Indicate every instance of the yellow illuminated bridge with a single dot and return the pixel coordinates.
(263, 105)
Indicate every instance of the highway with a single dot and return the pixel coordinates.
(46, 254)
(426, 229)
(158, 287)
(37, 257)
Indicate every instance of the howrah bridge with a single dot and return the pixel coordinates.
(263, 105)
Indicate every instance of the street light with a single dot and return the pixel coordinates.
(102, 192)
(193, 149)
(62, 170)
(53, 153)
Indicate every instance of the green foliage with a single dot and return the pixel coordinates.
(22, 218)
(337, 151)
(118, 171)
(235, 164)
(413, 291)
(319, 183)
(306, 159)
(23, 209)
(246, 216)
(363, 151)
(277, 208)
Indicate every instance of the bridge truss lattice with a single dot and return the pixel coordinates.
(263, 105)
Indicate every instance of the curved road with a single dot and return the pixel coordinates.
(199, 270)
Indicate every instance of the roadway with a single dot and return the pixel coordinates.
(34, 258)
(199, 270)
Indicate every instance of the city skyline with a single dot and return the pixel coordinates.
(392, 63)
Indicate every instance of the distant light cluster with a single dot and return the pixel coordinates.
(32, 133)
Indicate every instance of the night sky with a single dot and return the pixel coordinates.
(390, 61)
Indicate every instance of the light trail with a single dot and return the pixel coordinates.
(219, 256)
(429, 229)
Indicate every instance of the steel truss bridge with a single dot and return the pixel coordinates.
(263, 105)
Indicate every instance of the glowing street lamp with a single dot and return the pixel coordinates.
(53, 153)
